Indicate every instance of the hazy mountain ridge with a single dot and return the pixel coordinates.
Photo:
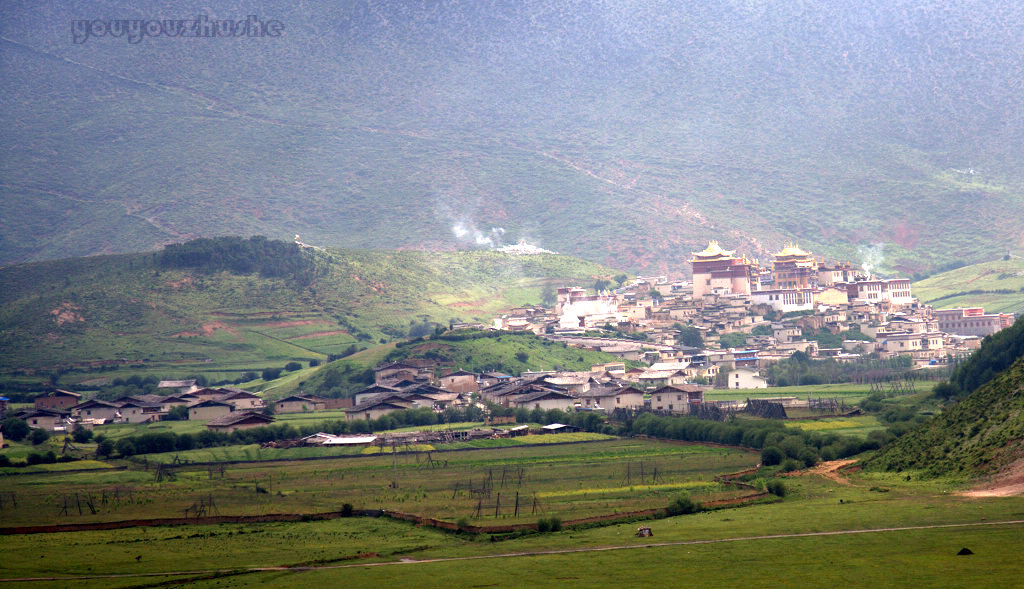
(622, 133)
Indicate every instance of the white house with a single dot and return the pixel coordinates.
(745, 378)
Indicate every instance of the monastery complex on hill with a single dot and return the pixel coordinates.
(775, 310)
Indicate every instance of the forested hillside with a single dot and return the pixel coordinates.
(997, 353)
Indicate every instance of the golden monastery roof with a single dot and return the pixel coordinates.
(713, 251)
(791, 249)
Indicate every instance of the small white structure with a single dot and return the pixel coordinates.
(745, 378)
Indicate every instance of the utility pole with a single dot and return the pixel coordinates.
(394, 463)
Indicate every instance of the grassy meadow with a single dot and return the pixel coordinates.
(998, 286)
(603, 476)
(744, 546)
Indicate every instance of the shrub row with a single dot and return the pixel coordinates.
(777, 442)
(36, 458)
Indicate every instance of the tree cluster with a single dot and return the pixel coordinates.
(270, 258)
(801, 369)
(777, 442)
(997, 353)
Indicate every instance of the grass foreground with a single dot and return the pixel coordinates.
(879, 530)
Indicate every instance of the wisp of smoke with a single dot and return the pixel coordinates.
(468, 232)
(871, 256)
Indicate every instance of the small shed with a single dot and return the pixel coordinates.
(559, 428)
(519, 430)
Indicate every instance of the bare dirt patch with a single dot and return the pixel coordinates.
(476, 304)
(830, 470)
(67, 313)
(207, 330)
(1008, 483)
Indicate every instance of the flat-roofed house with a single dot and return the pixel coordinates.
(58, 400)
(370, 392)
(172, 401)
(298, 404)
(745, 378)
(96, 409)
(460, 381)
(237, 420)
(610, 398)
(242, 400)
(677, 399)
(209, 409)
(413, 369)
(140, 412)
(652, 379)
(48, 419)
(373, 409)
(544, 399)
(207, 393)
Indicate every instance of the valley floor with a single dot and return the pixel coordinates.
(870, 529)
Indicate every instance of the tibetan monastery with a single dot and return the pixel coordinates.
(718, 270)
(794, 268)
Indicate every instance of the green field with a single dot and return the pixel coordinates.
(860, 425)
(720, 548)
(998, 286)
(607, 476)
(850, 393)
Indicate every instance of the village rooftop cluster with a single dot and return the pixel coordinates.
(772, 308)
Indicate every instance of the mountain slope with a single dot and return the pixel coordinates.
(998, 286)
(626, 134)
(983, 431)
(136, 309)
(981, 434)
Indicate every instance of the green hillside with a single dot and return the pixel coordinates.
(980, 434)
(997, 286)
(626, 134)
(133, 310)
(983, 430)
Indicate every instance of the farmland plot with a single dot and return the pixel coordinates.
(482, 485)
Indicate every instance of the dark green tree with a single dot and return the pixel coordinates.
(38, 436)
(15, 429)
(124, 447)
(690, 336)
(81, 435)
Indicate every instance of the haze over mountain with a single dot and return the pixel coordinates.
(626, 133)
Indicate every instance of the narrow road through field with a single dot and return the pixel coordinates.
(829, 470)
(407, 561)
